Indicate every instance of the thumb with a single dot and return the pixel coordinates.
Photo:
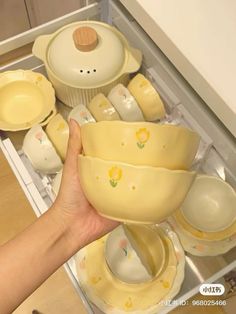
(74, 146)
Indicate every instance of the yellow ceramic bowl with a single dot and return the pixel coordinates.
(130, 193)
(202, 235)
(40, 151)
(58, 132)
(147, 98)
(210, 205)
(141, 143)
(101, 108)
(27, 98)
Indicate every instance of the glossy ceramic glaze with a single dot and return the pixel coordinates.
(202, 235)
(27, 98)
(79, 75)
(149, 247)
(130, 193)
(201, 247)
(40, 151)
(81, 114)
(115, 297)
(147, 98)
(123, 260)
(102, 109)
(141, 143)
(125, 104)
(210, 205)
(58, 132)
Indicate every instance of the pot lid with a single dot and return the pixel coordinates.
(86, 54)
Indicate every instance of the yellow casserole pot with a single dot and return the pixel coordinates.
(141, 143)
(85, 58)
(128, 193)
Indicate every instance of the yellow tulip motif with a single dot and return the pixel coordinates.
(61, 126)
(115, 175)
(142, 136)
(128, 304)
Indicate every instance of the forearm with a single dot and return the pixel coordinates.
(30, 258)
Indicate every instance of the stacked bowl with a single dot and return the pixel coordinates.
(136, 172)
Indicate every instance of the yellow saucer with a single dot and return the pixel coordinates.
(99, 283)
(27, 98)
(211, 236)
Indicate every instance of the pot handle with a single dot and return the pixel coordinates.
(40, 46)
(134, 60)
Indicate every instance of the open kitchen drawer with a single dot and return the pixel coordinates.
(216, 155)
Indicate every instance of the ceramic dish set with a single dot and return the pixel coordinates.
(215, 200)
(134, 168)
(119, 283)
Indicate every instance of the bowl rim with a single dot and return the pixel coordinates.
(160, 233)
(140, 124)
(136, 167)
(226, 186)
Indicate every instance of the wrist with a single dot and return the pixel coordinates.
(73, 228)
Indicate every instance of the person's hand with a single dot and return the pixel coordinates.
(86, 224)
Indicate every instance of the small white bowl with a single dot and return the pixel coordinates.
(122, 259)
(210, 205)
(125, 104)
(81, 114)
(40, 151)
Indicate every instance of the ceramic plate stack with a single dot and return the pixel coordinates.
(206, 222)
(125, 292)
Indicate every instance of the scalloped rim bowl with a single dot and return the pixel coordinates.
(102, 109)
(141, 143)
(40, 151)
(147, 97)
(128, 193)
(81, 114)
(27, 98)
(210, 205)
(125, 103)
(58, 132)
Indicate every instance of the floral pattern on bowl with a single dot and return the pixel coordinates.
(142, 136)
(115, 175)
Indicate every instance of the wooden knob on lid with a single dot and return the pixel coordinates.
(85, 38)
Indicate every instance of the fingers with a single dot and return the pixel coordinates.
(74, 147)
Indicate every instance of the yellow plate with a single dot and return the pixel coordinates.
(99, 283)
(211, 236)
(26, 98)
